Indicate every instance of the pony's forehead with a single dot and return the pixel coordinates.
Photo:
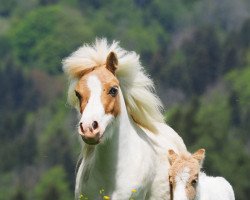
(102, 74)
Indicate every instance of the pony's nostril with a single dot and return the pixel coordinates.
(95, 125)
(81, 127)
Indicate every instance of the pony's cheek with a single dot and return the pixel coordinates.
(106, 120)
(104, 125)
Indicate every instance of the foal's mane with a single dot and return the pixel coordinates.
(138, 89)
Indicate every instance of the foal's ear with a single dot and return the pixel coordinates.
(199, 155)
(112, 62)
(172, 156)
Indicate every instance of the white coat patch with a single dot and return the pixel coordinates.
(94, 110)
(181, 182)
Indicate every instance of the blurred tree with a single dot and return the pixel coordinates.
(231, 54)
(239, 82)
(197, 64)
(244, 34)
(5, 47)
(183, 118)
(54, 142)
(6, 7)
(132, 28)
(47, 2)
(202, 59)
(18, 195)
(46, 35)
(142, 3)
(53, 185)
(7, 187)
(236, 48)
(169, 13)
(225, 14)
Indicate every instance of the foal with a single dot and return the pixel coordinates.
(188, 183)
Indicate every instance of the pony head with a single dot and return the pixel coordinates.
(184, 173)
(98, 99)
(100, 76)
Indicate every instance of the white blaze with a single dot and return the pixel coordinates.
(181, 182)
(94, 110)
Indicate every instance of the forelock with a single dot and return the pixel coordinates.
(183, 175)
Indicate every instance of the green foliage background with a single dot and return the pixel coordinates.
(197, 51)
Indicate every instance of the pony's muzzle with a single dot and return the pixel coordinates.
(90, 134)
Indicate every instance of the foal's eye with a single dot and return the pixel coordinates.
(194, 182)
(113, 91)
(170, 179)
(78, 95)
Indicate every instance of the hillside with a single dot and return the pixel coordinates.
(196, 51)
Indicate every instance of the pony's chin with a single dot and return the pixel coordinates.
(94, 140)
(91, 141)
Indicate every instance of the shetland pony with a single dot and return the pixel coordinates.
(124, 137)
(188, 183)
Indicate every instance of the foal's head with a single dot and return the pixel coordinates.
(97, 92)
(184, 173)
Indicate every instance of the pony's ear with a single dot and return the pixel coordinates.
(112, 62)
(172, 156)
(199, 155)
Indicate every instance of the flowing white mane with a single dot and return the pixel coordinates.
(138, 89)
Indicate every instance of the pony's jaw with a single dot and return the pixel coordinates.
(94, 119)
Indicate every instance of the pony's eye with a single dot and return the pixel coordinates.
(113, 91)
(78, 95)
(194, 182)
